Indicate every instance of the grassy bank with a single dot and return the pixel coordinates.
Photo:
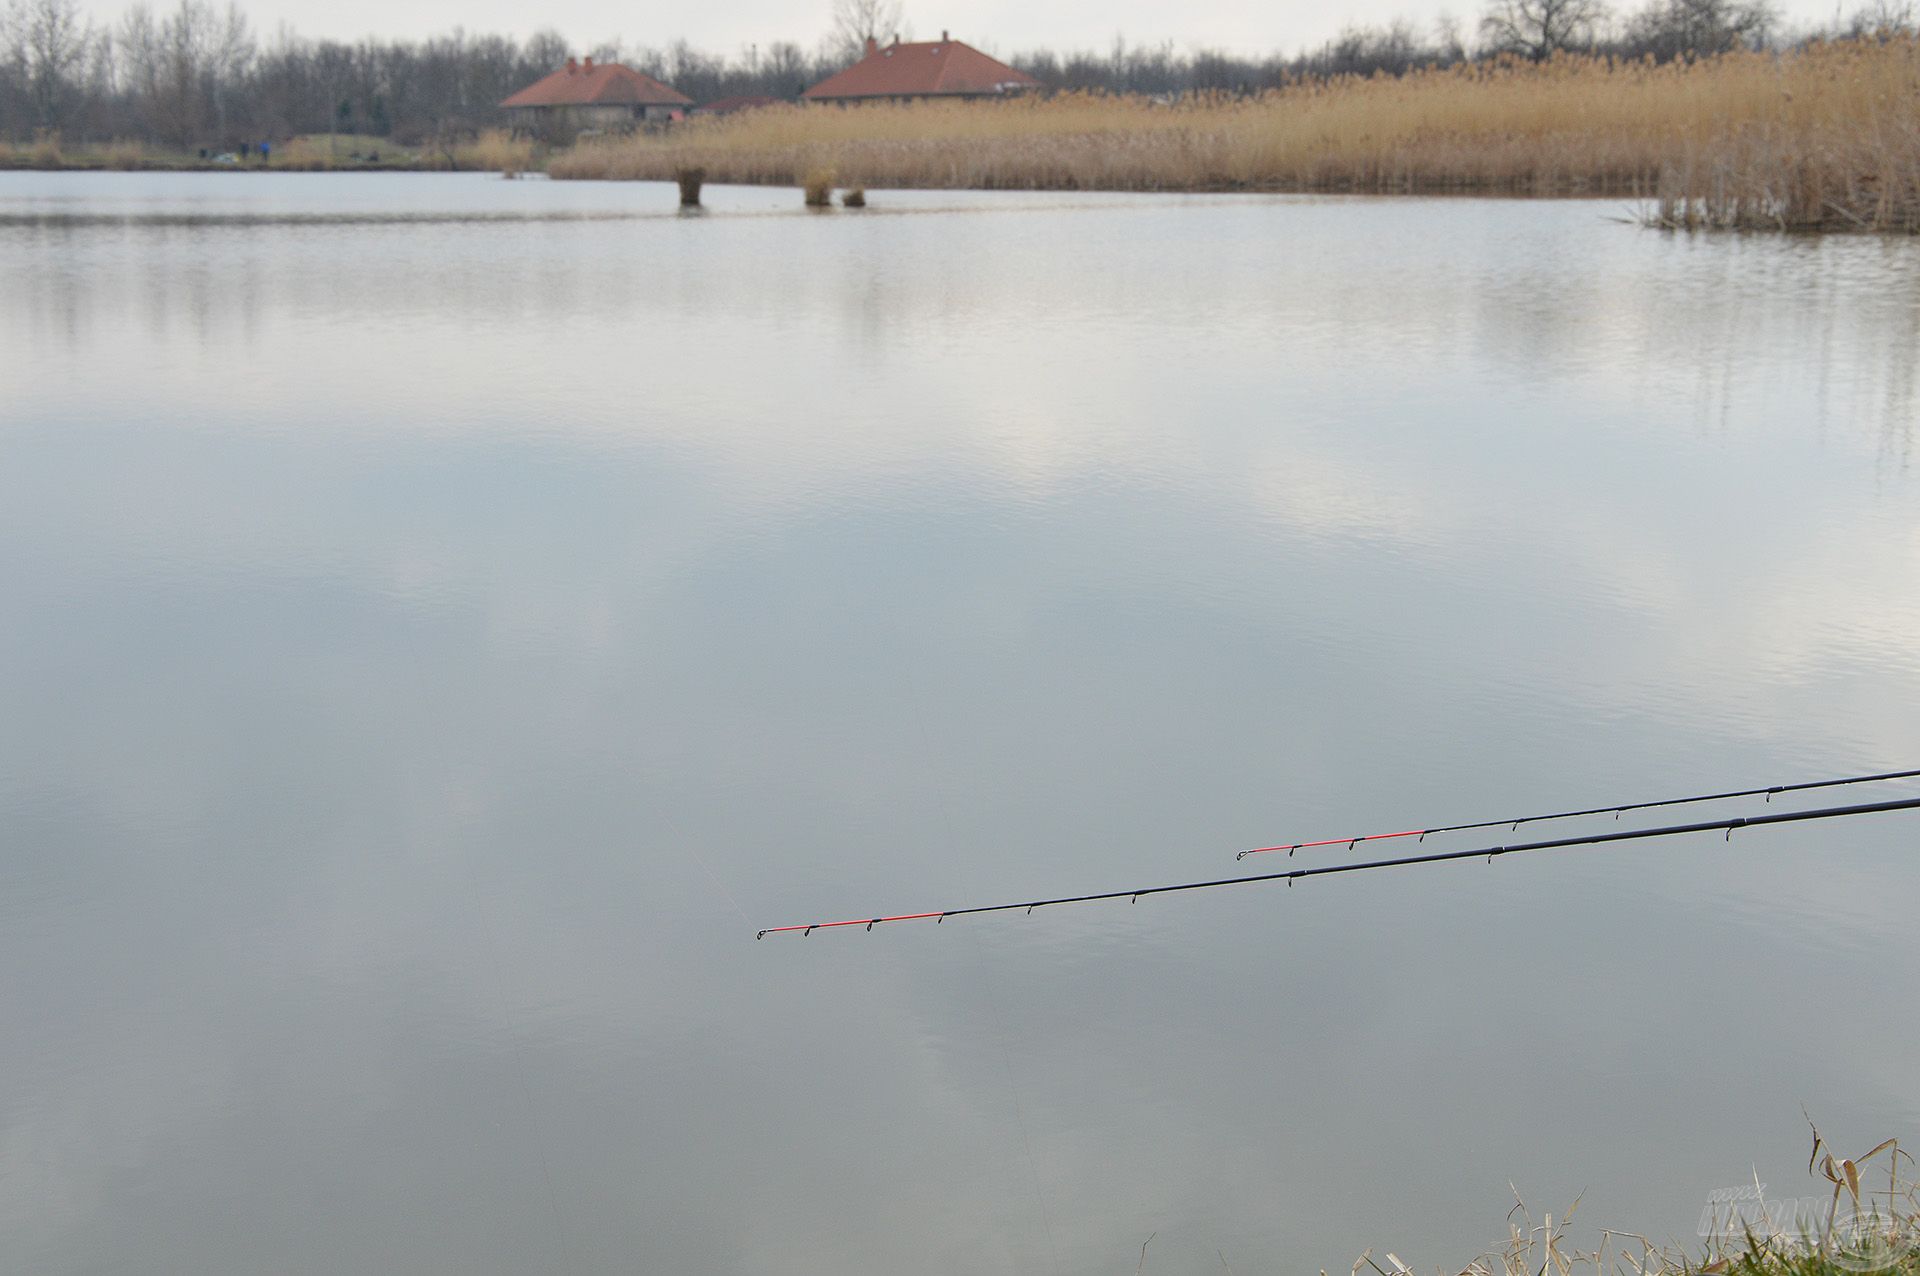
(1824, 138)
(494, 151)
(1860, 1218)
(1543, 1249)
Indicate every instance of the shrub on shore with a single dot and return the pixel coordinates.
(42, 152)
(123, 155)
(1826, 137)
(818, 187)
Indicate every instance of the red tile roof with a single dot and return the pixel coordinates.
(609, 84)
(935, 68)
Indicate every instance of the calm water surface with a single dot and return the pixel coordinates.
(444, 618)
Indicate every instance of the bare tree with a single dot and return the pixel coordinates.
(1681, 28)
(1880, 20)
(857, 21)
(1538, 29)
(13, 54)
(187, 41)
(137, 58)
(50, 41)
(1394, 48)
(547, 49)
(230, 55)
(785, 68)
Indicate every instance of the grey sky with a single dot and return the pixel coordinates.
(1004, 26)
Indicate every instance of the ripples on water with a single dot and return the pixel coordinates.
(448, 616)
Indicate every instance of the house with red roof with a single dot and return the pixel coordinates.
(581, 97)
(943, 68)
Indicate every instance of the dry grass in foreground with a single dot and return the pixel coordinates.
(1826, 138)
(1851, 1226)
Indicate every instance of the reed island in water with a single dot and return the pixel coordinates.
(1826, 137)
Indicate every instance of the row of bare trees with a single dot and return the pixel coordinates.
(1662, 29)
(195, 75)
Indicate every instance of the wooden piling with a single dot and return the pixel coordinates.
(690, 180)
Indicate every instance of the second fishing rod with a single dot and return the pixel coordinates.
(1616, 810)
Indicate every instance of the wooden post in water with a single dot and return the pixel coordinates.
(690, 180)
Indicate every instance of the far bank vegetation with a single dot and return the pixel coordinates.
(1711, 112)
(1826, 136)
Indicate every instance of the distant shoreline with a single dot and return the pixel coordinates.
(494, 151)
(1822, 139)
(11, 164)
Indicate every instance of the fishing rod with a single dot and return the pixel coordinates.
(1328, 870)
(1616, 811)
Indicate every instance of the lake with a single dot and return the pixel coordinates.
(447, 617)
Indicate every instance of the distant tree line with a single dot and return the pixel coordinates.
(1663, 30)
(199, 76)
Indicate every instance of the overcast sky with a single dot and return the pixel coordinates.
(1002, 26)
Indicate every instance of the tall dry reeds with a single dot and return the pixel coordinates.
(1840, 150)
(496, 151)
(125, 155)
(1824, 137)
(43, 152)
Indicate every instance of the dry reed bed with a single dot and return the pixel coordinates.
(497, 151)
(1827, 137)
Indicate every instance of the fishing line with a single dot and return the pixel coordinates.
(1615, 811)
(518, 1050)
(1019, 1109)
(483, 915)
(1329, 870)
(1006, 1049)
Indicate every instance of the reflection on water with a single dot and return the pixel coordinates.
(448, 616)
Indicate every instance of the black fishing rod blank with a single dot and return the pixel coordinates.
(1616, 811)
(1328, 870)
